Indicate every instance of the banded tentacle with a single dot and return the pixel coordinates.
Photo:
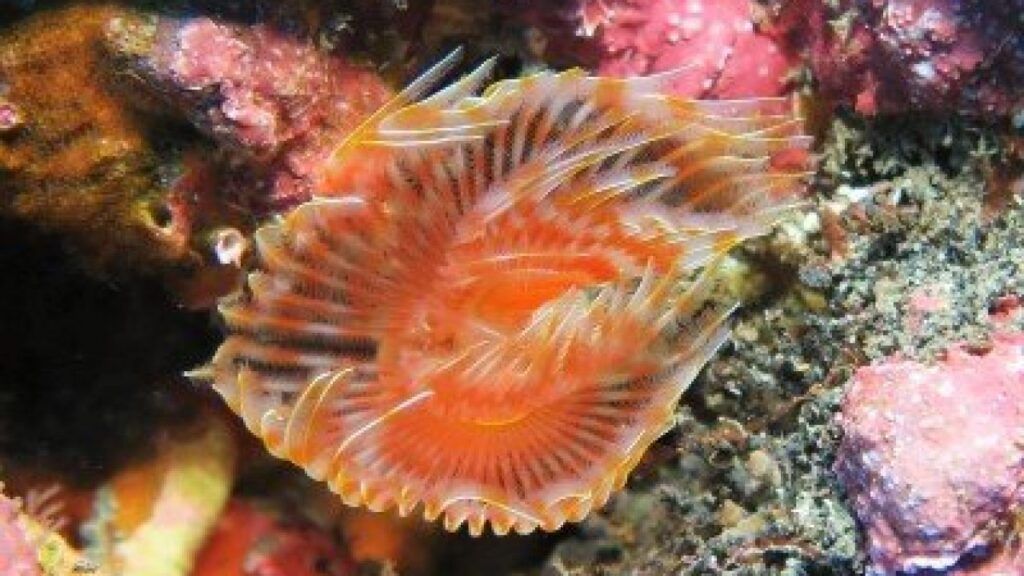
(496, 304)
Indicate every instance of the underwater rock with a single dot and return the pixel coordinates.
(152, 519)
(274, 102)
(17, 554)
(726, 53)
(11, 116)
(31, 545)
(932, 456)
(73, 161)
(894, 56)
(922, 259)
(248, 541)
(729, 56)
(913, 222)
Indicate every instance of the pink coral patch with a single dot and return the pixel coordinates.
(17, 555)
(274, 100)
(727, 57)
(724, 53)
(897, 56)
(932, 456)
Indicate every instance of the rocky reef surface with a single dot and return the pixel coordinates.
(913, 248)
(895, 56)
(141, 143)
(76, 161)
(932, 483)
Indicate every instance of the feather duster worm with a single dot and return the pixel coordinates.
(491, 310)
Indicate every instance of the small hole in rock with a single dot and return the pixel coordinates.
(160, 213)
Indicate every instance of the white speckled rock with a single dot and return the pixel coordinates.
(933, 456)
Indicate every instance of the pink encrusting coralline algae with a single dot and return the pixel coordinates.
(10, 116)
(728, 56)
(273, 100)
(17, 554)
(933, 458)
(881, 56)
(894, 56)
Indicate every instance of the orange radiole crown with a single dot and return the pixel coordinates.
(494, 306)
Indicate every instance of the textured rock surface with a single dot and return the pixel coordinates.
(913, 194)
(912, 55)
(152, 519)
(74, 162)
(252, 541)
(275, 103)
(17, 554)
(719, 43)
(932, 456)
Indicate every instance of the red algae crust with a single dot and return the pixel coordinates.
(719, 42)
(933, 456)
(898, 56)
(275, 102)
(17, 553)
(248, 540)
